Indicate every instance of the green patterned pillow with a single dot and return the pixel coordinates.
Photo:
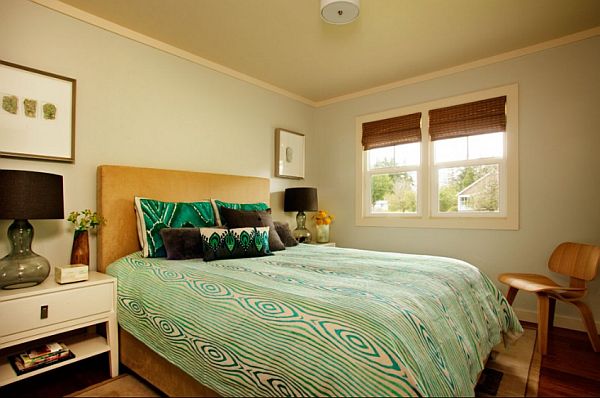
(219, 243)
(154, 215)
(217, 204)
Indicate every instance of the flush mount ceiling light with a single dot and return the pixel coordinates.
(340, 12)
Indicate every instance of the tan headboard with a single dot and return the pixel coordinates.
(117, 186)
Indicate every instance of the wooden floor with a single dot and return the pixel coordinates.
(571, 369)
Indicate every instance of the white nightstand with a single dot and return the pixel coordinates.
(72, 306)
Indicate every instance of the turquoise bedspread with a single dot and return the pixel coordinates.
(317, 321)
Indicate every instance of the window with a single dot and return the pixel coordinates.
(393, 151)
(453, 163)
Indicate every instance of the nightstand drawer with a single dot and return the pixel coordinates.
(25, 313)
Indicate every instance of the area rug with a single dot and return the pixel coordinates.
(125, 385)
(514, 372)
(509, 373)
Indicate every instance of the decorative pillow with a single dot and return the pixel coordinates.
(155, 215)
(285, 234)
(252, 218)
(218, 205)
(218, 243)
(182, 243)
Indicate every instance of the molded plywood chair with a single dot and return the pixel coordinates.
(578, 261)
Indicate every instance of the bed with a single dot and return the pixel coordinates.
(307, 321)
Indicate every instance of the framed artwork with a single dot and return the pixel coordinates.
(37, 117)
(289, 154)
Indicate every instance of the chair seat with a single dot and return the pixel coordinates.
(528, 282)
(540, 283)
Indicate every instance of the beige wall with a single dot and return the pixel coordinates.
(559, 139)
(139, 106)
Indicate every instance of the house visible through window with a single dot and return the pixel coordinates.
(447, 163)
(468, 157)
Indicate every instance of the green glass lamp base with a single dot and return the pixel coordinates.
(301, 234)
(17, 272)
(22, 267)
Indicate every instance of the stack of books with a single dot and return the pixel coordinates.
(39, 357)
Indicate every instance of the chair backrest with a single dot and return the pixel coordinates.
(576, 260)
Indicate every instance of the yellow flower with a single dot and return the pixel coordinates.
(322, 217)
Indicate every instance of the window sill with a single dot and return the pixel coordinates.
(503, 223)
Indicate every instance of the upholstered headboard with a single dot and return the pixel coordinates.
(117, 186)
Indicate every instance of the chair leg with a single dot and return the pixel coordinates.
(543, 308)
(512, 293)
(590, 325)
(551, 312)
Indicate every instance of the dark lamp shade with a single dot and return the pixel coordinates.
(26, 195)
(300, 199)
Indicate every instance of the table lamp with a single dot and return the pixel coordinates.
(26, 195)
(301, 200)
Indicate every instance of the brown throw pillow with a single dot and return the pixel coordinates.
(285, 233)
(182, 243)
(253, 218)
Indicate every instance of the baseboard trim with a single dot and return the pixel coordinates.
(567, 322)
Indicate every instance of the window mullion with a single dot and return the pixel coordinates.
(467, 162)
(424, 173)
(392, 170)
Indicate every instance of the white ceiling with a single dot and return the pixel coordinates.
(286, 44)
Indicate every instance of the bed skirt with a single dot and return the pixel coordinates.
(156, 370)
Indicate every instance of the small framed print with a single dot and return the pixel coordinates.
(289, 154)
(37, 114)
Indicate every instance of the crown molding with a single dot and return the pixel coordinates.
(561, 41)
(102, 23)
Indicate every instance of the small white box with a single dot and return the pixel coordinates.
(71, 273)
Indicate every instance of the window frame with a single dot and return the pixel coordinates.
(428, 214)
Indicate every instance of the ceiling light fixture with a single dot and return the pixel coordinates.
(339, 12)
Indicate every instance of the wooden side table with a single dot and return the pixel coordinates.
(330, 244)
(34, 315)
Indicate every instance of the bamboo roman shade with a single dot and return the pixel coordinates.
(393, 131)
(479, 117)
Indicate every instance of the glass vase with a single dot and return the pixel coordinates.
(322, 233)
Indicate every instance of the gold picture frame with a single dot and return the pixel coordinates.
(37, 114)
(289, 154)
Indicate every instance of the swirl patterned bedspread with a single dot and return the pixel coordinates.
(317, 321)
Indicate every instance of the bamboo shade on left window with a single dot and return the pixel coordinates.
(393, 131)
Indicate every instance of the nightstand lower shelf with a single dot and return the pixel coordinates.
(83, 346)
